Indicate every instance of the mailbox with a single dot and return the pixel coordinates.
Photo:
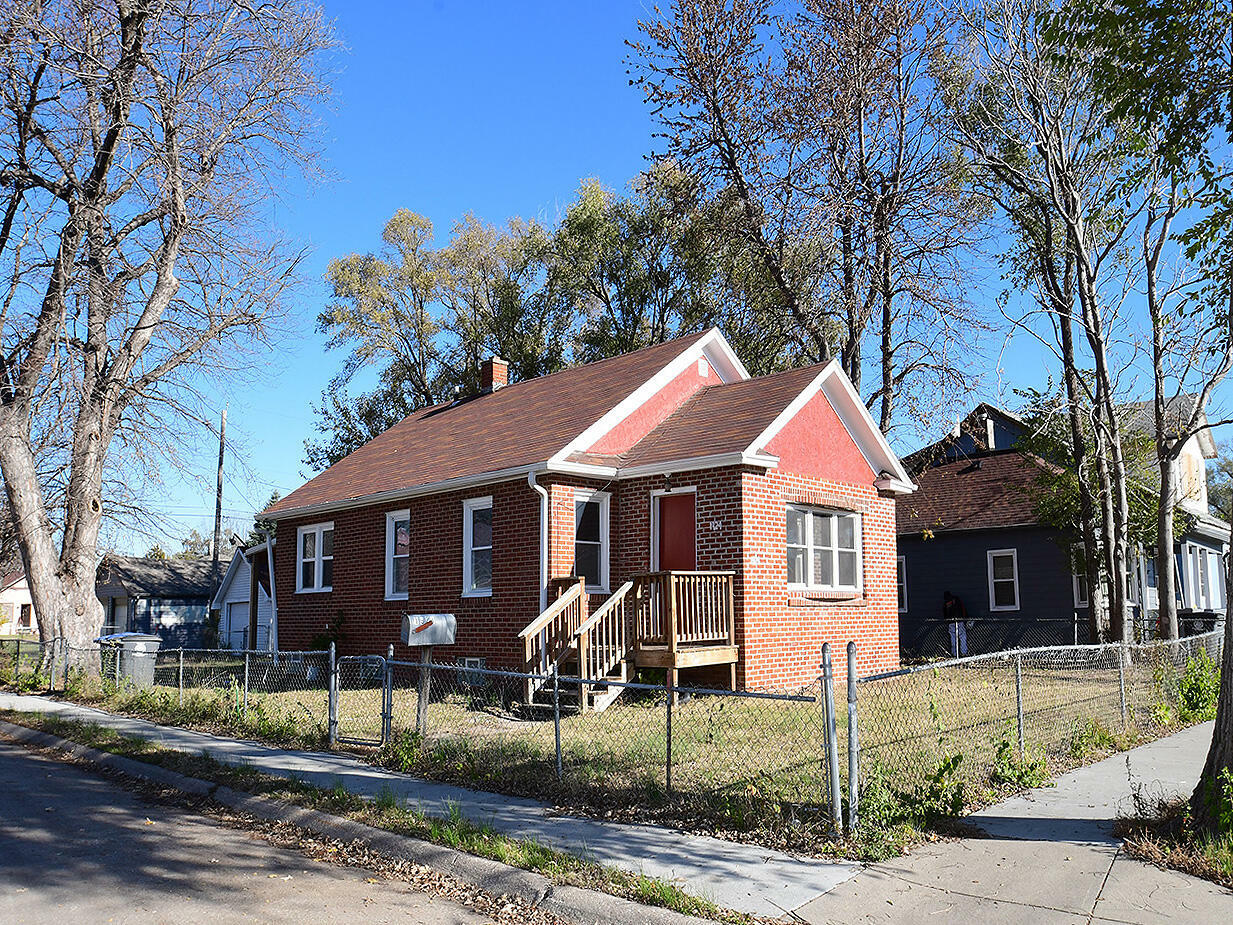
(429, 629)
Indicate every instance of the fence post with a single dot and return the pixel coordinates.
(1019, 700)
(66, 664)
(245, 682)
(832, 743)
(116, 650)
(180, 679)
(854, 749)
(670, 690)
(1122, 653)
(17, 667)
(556, 714)
(424, 693)
(332, 700)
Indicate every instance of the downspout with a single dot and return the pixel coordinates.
(543, 539)
(272, 642)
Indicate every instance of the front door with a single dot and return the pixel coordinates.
(677, 532)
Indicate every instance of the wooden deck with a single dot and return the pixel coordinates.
(671, 620)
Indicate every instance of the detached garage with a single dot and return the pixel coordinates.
(246, 610)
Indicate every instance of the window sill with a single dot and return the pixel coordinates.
(1003, 609)
(486, 593)
(314, 590)
(800, 598)
(397, 597)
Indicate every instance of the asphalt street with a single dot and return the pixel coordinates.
(76, 847)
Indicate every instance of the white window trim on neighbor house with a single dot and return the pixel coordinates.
(584, 496)
(469, 507)
(392, 519)
(1014, 559)
(811, 584)
(901, 581)
(318, 558)
(1078, 579)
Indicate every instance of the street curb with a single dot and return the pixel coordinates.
(585, 907)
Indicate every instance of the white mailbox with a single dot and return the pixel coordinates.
(429, 629)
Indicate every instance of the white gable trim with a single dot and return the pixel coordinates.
(712, 346)
(225, 584)
(843, 397)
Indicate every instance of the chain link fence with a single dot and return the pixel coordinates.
(1049, 703)
(278, 694)
(635, 746)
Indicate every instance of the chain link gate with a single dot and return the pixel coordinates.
(364, 700)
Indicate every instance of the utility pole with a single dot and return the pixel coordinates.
(218, 506)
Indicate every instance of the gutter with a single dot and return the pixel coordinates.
(543, 539)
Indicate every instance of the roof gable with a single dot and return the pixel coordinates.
(985, 492)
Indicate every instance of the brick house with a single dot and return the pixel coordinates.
(658, 509)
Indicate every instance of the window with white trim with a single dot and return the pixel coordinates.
(477, 547)
(1003, 579)
(901, 583)
(1078, 573)
(315, 546)
(591, 538)
(824, 549)
(397, 555)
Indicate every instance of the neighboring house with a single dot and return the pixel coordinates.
(246, 612)
(167, 597)
(972, 529)
(722, 525)
(16, 605)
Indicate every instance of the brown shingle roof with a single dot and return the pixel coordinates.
(721, 418)
(972, 494)
(521, 424)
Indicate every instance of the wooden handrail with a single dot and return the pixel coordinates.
(552, 611)
(617, 596)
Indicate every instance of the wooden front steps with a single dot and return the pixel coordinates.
(669, 620)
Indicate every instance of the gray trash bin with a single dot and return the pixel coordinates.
(137, 653)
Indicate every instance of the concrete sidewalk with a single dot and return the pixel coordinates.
(1050, 857)
(747, 878)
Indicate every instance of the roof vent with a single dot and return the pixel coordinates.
(494, 374)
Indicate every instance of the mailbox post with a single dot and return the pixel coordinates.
(427, 630)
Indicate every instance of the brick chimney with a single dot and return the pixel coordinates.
(494, 374)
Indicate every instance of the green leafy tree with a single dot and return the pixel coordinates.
(1167, 67)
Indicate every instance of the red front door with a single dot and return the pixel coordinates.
(677, 532)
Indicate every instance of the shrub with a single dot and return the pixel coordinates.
(1198, 689)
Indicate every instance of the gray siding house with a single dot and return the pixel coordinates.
(971, 531)
(167, 597)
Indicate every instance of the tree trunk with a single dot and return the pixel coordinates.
(1166, 576)
(1211, 804)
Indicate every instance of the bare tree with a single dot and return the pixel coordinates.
(138, 144)
(1061, 170)
(822, 121)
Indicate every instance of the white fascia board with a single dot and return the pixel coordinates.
(712, 345)
(713, 461)
(400, 494)
(843, 397)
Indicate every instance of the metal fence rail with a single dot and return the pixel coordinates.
(1042, 702)
(758, 759)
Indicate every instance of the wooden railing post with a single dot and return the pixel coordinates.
(670, 585)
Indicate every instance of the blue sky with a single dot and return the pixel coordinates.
(443, 108)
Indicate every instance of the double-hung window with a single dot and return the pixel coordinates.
(1003, 579)
(315, 547)
(901, 576)
(477, 547)
(591, 538)
(397, 555)
(824, 549)
(1078, 572)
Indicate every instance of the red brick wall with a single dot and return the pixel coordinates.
(741, 517)
(781, 633)
(487, 626)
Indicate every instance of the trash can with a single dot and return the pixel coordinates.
(137, 653)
